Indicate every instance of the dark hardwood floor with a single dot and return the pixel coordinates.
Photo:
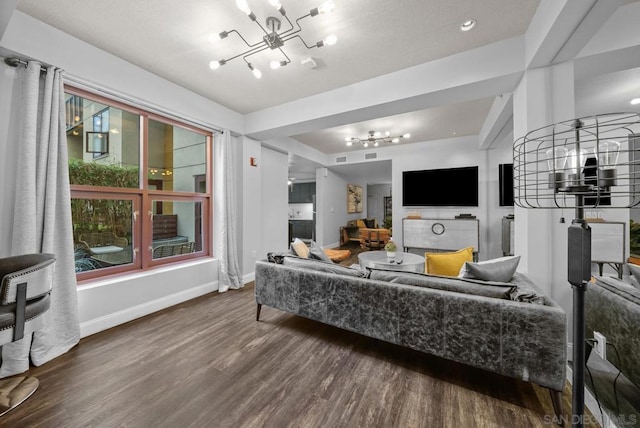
(208, 363)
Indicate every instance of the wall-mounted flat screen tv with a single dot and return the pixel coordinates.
(447, 187)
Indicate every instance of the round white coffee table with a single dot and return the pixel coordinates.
(407, 262)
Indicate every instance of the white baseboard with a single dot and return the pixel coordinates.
(248, 278)
(129, 314)
(333, 245)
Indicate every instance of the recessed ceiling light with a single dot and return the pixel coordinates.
(635, 101)
(468, 25)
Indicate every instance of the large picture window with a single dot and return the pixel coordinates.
(140, 187)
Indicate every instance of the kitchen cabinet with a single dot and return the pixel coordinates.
(301, 193)
(302, 229)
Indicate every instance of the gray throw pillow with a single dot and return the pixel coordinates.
(316, 252)
(501, 269)
(496, 290)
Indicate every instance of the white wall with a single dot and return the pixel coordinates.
(6, 11)
(110, 302)
(273, 216)
(450, 153)
(331, 207)
(501, 152)
(251, 205)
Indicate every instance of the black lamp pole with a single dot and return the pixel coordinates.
(579, 274)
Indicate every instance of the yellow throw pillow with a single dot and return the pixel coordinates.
(360, 223)
(447, 264)
(300, 248)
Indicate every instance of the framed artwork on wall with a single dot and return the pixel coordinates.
(354, 198)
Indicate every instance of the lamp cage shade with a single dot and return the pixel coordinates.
(589, 162)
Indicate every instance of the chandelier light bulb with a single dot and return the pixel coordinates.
(607, 152)
(577, 160)
(275, 65)
(256, 73)
(395, 140)
(635, 101)
(348, 139)
(376, 134)
(326, 7)
(330, 40)
(243, 6)
(407, 135)
(276, 4)
(387, 133)
(217, 37)
(556, 162)
(214, 65)
(375, 144)
(349, 143)
(366, 144)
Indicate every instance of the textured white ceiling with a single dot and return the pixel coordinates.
(375, 37)
(453, 120)
(611, 92)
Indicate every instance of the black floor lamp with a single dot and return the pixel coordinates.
(591, 162)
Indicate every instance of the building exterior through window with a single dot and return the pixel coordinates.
(140, 187)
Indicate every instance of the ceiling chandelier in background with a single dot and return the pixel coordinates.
(375, 138)
(273, 38)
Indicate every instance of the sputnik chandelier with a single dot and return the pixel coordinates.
(375, 138)
(273, 38)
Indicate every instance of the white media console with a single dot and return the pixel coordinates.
(438, 234)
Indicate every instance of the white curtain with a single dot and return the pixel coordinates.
(42, 214)
(226, 213)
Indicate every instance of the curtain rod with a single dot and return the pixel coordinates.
(14, 62)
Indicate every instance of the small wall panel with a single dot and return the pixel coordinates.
(607, 242)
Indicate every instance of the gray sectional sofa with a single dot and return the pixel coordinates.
(612, 308)
(478, 324)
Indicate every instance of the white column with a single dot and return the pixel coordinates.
(544, 96)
